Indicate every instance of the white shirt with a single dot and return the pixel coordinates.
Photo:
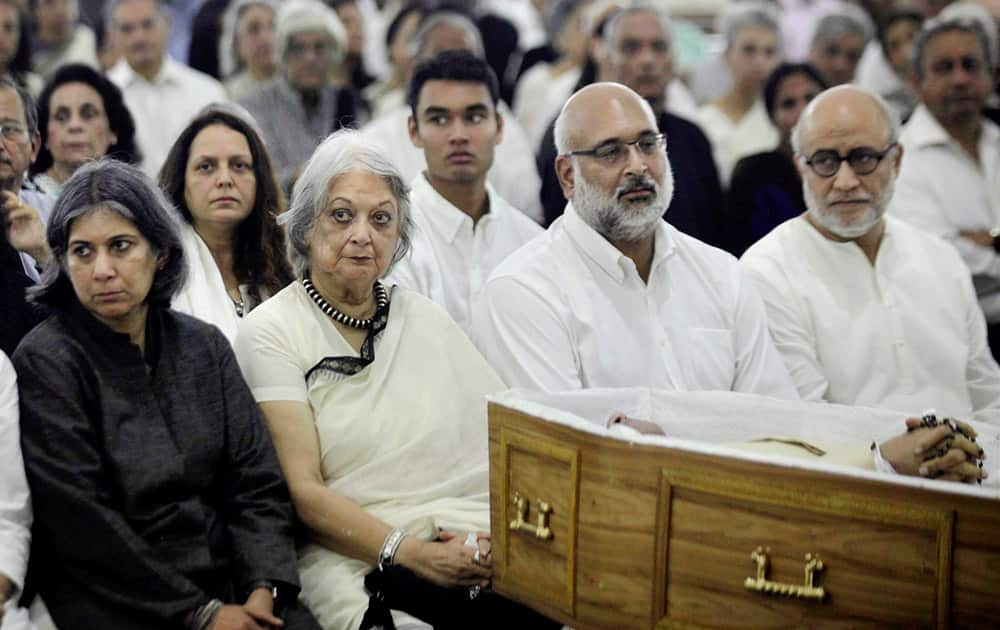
(15, 500)
(570, 311)
(163, 107)
(731, 141)
(905, 334)
(943, 190)
(513, 173)
(451, 258)
(539, 97)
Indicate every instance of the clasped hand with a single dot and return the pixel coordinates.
(447, 561)
(938, 452)
(256, 614)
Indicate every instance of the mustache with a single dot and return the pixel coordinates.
(637, 182)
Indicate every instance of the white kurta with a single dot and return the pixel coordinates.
(405, 438)
(539, 97)
(204, 293)
(513, 173)
(905, 334)
(731, 141)
(163, 107)
(15, 500)
(451, 258)
(569, 311)
(943, 190)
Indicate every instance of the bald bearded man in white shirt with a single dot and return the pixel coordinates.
(613, 296)
(866, 309)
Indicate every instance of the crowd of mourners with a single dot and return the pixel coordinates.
(261, 262)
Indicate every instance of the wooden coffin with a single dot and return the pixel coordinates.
(642, 536)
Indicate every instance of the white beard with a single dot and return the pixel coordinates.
(835, 224)
(623, 220)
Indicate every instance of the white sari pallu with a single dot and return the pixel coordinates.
(405, 438)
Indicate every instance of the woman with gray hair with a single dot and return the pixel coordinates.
(246, 46)
(838, 42)
(737, 123)
(158, 499)
(374, 398)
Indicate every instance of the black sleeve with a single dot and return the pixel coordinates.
(258, 507)
(86, 539)
(740, 207)
(551, 195)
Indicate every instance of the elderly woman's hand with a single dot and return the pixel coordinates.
(446, 562)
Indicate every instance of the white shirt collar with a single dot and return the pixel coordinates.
(446, 218)
(125, 75)
(607, 256)
(924, 130)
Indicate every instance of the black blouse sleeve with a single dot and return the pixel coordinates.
(258, 510)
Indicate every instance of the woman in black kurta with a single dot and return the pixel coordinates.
(765, 189)
(156, 489)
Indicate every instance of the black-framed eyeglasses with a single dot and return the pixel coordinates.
(863, 160)
(613, 151)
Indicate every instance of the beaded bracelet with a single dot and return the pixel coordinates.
(387, 555)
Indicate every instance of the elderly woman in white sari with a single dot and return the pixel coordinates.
(375, 400)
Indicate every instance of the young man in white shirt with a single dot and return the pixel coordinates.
(868, 310)
(949, 183)
(464, 228)
(162, 94)
(514, 175)
(613, 296)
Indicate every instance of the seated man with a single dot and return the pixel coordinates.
(464, 228)
(949, 183)
(846, 289)
(613, 296)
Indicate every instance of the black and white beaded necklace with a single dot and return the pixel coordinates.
(381, 300)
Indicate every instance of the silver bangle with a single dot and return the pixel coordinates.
(387, 555)
(202, 617)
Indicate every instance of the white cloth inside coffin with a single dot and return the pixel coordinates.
(714, 423)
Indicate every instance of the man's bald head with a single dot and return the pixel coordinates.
(840, 108)
(577, 119)
(611, 162)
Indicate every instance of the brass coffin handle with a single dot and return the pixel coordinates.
(761, 584)
(521, 524)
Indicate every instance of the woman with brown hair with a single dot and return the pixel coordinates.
(220, 177)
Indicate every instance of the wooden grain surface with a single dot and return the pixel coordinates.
(884, 546)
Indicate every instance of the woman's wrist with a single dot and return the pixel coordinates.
(408, 552)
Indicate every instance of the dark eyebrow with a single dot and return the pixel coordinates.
(477, 107)
(434, 110)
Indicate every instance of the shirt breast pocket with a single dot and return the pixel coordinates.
(711, 363)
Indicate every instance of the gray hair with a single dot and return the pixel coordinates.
(558, 17)
(229, 56)
(124, 189)
(342, 152)
(970, 12)
(611, 27)
(308, 16)
(27, 102)
(561, 131)
(110, 6)
(937, 26)
(890, 116)
(842, 20)
(741, 15)
(453, 19)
